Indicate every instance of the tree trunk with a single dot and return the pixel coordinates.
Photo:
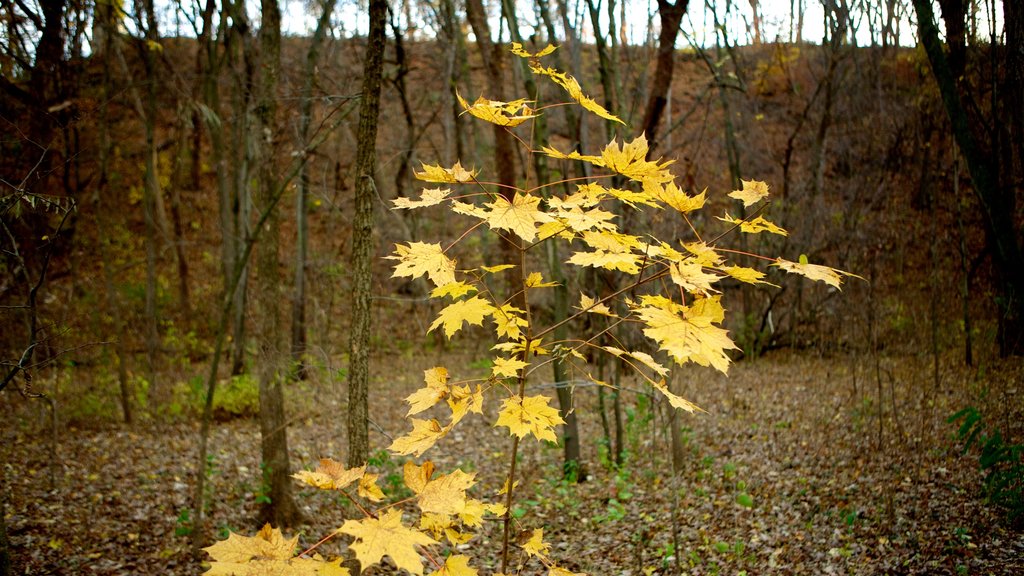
(301, 220)
(997, 203)
(671, 18)
(281, 510)
(362, 239)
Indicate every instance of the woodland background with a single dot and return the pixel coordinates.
(145, 144)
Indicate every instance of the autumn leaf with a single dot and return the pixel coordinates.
(830, 276)
(377, 537)
(419, 258)
(507, 367)
(529, 415)
(743, 274)
(622, 261)
(755, 226)
(574, 155)
(268, 543)
(611, 241)
(330, 475)
(536, 280)
(368, 488)
(579, 219)
(424, 434)
(706, 255)
(692, 277)
(589, 304)
(753, 192)
(497, 268)
(510, 114)
(436, 380)
(630, 160)
(509, 321)
(649, 361)
(671, 194)
(518, 50)
(430, 197)
(445, 494)
(687, 333)
(452, 175)
(455, 290)
(535, 544)
(472, 310)
(462, 401)
(558, 571)
(416, 476)
(674, 399)
(521, 216)
(456, 565)
(572, 87)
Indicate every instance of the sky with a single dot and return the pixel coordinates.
(699, 24)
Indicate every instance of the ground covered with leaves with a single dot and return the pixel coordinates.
(800, 466)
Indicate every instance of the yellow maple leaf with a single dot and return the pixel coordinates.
(590, 305)
(611, 241)
(674, 399)
(687, 333)
(268, 543)
(508, 367)
(649, 361)
(623, 261)
(452, 175)
(454, 289)
(572, 87)
(529, 415)
(445, 494)
(368, 488)
(497, 268)
(386, 535)
(830, 276)
(315, 566)
(744, 274)
(330, 475)
(518, 50)
(419, 258)
(416, 476)
(472, 310)
(521, 216)
(508, 321)
(463, 401)
(456, 565)
(535, 544)
(473, 513)
(706, 255)
(436, 380)
(509, 114)
(429, 197)
(536, 280)
(579, 219)
(755, 226)
(691, 276)
(632, 198)
(630, 160)
(671, 194)
(574, 155)
(753, 192)
(424, 434)
(467, 209)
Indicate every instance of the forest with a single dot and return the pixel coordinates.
(560, 287)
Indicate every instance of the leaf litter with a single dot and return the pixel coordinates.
(790, 471)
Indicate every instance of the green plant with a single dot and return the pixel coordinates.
(999, 460)
(664, 289)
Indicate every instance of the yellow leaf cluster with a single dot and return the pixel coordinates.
(387, 536)
(269, 552)
(529, 415)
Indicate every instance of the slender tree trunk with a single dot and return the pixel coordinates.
(362, 239)
(671, 18)
(301, 220)
(272, 359)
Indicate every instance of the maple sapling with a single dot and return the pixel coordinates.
(681, 314)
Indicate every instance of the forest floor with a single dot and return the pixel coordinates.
(792, 470)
